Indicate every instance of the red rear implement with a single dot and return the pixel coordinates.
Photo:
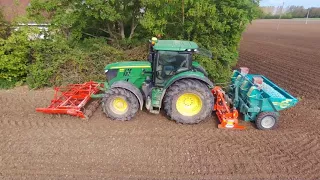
(228, 117)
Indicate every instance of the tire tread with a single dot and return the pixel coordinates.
(263, 115)
(185, 85)
(132, 101)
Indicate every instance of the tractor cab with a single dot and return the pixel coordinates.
(169, 58)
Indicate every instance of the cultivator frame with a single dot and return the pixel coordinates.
(72, 100)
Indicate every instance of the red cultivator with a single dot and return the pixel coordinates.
(72, 100)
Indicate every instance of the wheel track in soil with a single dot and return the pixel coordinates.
(280, 48)
(197, 147)
(312, 68)
(187, 139)
(224, 145)
(292, 61)
(254, 57)
(290, 83)
(277, 73)
(274, 71)
(310, 74)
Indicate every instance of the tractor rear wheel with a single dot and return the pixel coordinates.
(188, 101)
(120, 104)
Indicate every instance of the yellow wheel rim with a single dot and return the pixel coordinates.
(189, 104)
(119, 105)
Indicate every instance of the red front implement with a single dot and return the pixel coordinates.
(71, 99)
(228, 117)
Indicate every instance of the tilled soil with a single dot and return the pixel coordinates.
(39, 146)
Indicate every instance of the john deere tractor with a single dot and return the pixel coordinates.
(170, 79)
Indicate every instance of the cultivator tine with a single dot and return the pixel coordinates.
(73, 100)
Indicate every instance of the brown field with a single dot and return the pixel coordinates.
(38, 146)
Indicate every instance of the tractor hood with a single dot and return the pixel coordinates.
(129, 64)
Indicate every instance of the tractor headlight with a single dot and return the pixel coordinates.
(111, 73)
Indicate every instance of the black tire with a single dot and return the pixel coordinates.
(129, 97)
(188, 86)
(267, 121)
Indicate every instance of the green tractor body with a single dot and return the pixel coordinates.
(130, 71)
(169, 78)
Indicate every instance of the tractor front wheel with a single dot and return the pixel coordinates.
(188, 101)
(120, 104)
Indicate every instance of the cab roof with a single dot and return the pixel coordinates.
(174, 45)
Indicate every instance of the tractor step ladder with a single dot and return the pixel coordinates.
(72, 100)
(228, 117)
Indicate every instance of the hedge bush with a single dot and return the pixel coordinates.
(66, 57)
(4, 26)
(216, 25)
(85, 62)
(52, 61)
(14, 53)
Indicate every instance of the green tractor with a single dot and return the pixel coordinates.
(170, 79)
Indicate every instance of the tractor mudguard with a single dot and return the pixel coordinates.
(130, 87)
(190, 76)
(187, 75)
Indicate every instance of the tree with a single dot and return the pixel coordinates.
(4, 26)
(214, 24)
(314, 12)
(297, 11)
(114, 19)
(14, 57)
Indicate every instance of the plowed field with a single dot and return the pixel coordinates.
(38, 146)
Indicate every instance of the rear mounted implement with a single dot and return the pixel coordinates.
(73, 100)
(227, 116)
